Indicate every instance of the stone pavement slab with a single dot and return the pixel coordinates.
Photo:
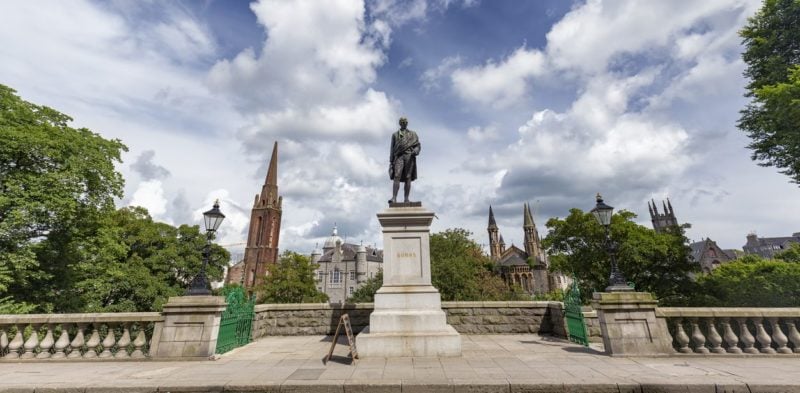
(490, 363)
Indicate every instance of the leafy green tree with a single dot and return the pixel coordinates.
(366, 293)
(291, 280)
(55, 183)
(653, 262)
(132, 263)
(461, 271)
(792, 254)
(750, 282)
(772, 53)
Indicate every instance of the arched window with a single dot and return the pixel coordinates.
(336, 277)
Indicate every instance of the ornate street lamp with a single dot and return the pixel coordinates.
(602, 213)
(212, 219)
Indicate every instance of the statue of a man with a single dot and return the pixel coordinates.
(403, 159)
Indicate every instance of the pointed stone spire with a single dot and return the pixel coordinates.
(272, 173)
(528, 217)
(669, 204)
(492, 222)
(655, 208)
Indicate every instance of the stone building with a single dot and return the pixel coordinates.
(344, 267)
(662, 221)
(709, 255)
(265, 228)
(767, 247)
(512, 262)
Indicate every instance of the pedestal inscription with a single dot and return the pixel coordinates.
(408, 319)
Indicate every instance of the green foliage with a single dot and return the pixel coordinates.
(752, 282)
(9, 306)
(366, 293)
(291, 280)
(461, 271)
(133, 263)
(772, 54)
(654, 262)
(790, 255)
(556, 296)
(55, 183)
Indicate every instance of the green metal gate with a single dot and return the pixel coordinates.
(575, 324)
(237, 319)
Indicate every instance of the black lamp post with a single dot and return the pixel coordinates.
(212, 219)
(602, 213)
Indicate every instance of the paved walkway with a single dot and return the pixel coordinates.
(492, 363)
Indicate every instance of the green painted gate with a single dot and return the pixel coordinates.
(573, 307)
(237, 319)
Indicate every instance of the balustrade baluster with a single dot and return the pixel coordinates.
(31, 343)
(763, 337)
(730, 337)
(3, 340)
(76, 345)
(46, 344)
(62, 343)
(94, 341)
(778, 337)
(108, 342)
(698, 338)
(139, 342)
(794, 335)
(15, 344)
(681, 338)
(713, 336)
(124, 341)
(746, 337)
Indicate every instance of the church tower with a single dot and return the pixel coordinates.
(662, 221)
(265, 227)
(532, 245)
(496, 245)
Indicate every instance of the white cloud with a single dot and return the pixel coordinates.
(499, 84)
(589, 36)
(482, 134)
(400, 12)
(150, 195)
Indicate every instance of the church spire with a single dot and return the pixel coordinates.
(492, 222)
(528, 217)
(272, 172)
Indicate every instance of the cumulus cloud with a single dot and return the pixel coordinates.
(150, 195)
(499, 84)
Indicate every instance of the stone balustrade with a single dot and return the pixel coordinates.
(79, 336)
(705, 330)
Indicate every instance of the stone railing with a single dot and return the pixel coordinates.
(733, 330)
(79, 336)
(466, 317)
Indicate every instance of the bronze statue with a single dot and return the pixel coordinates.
(403, 159)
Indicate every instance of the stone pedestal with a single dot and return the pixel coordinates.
(190, 329)
(408, 319)
(629, 325)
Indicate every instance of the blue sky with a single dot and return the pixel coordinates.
(546, 102)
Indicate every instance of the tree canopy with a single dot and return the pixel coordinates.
(772, 54)
(461, 271)
(653, 262)
(64, 247)
(750, 282)
(291, 280)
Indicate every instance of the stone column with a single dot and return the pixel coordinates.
(190, 328)
(408, 319)
(629, 325)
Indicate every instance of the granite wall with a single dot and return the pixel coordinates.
(540, 317)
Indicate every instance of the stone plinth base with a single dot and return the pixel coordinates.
(408, 319)
(191, 326)
(629, 324)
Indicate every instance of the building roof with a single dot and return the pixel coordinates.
(512, 260)
(349, 251)
(331, 241)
